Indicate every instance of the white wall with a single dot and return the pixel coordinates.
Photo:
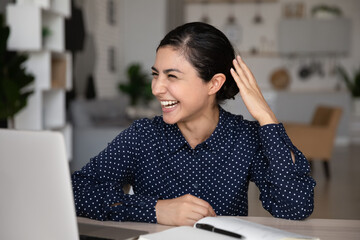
(140, 25)
(143, 26)
(100, 37)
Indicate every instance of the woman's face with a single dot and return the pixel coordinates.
(182, 93)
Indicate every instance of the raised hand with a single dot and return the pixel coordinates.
(251, 94)
(184, 210)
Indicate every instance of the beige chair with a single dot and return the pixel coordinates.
(316, 140)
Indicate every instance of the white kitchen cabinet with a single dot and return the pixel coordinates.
(314, 36)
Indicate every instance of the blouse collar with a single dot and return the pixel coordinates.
(176, 140)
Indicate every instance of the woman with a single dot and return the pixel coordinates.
(196, 159)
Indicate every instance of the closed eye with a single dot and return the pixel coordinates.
(172, 76)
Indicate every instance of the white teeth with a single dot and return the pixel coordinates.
(171, 106)
(168, 104)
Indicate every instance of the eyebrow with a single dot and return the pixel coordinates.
(167, 70)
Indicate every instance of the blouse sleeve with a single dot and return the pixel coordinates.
(98, 185)
(286, 188)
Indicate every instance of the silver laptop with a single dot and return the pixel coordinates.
(36, 199)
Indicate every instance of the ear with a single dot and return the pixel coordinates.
(216, 83)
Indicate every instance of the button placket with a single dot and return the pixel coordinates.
(197, 165)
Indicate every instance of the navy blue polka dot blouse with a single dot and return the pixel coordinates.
(156, 160)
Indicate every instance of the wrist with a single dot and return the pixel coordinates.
(158, 211)
(268, 119)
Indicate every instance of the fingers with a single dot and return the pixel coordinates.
(193, 216)
(202, 207)
(204, 211)
(251, 93)
(243, 76)
(184, 210)
(239, 75)
(244, 67)
(199, 209)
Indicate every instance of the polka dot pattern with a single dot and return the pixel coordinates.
(157, 161)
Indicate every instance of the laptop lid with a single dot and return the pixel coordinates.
(36, 197)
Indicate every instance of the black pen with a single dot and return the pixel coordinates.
(211, 228)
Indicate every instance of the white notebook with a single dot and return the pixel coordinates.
(184, 233)
(227, 225)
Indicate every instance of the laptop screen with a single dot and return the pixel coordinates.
(36, 195)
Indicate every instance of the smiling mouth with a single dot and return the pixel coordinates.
(169, 104)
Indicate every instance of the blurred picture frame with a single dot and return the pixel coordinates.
(294, 10)
(111, 12)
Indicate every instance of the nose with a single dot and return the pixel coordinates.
(158, 86)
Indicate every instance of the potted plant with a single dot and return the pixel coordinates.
(14, 80)
(324, 11)
(45, 33)
(353, 85)
(138, 88)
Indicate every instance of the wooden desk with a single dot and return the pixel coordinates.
(325, 229)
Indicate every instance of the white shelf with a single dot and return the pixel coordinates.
(48, 61)
(26, 31)
(39, 65)
(62, 7)
(54, 109)
(67, 131)
(61, 73)
(44, 110)
(25, 27)
(39, 3)
(30, 118)
(69, 71)
(50, 69)
(56, 40)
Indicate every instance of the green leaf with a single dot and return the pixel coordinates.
(13, 77)
(352, 82)
(138, 86)
(356, 92)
